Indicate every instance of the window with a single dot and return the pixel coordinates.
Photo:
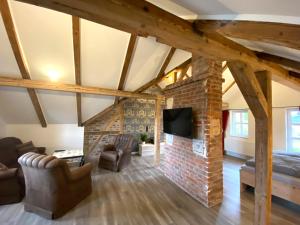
(239, 123)
(293, 130)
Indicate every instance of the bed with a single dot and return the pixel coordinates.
(285, 178)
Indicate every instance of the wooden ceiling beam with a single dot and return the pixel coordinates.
(287, 63)
(145, 19)
(166, 62)
(19, 56)
(44, 85)
(249, 86)
(281, 34)
(126, 65)
(77, 63)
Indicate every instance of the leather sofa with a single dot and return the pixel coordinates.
(12, 184)
(117, 156)
(52, 188)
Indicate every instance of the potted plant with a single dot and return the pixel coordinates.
(143, 138)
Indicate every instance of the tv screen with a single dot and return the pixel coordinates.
(178, 122)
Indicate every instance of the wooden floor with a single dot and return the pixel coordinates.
(142, 195)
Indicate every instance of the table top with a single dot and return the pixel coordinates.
(71, 153)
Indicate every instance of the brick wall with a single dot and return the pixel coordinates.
(93, 133)
(136, 114)
(199, 174)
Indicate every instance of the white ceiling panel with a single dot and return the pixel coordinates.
(270, 48)
(46, 39)
(103, 51)
(179, 57)
(267, 7)
(8, 64)
(16, 106)
(147, 60)
(60, 106)
(93, 104)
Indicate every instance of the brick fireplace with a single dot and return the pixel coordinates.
(195, 165)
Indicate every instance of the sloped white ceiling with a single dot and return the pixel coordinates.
(146, 63)
(268, 10)
(103, 50)
(8, 64)
(282, 51)
(227, 7)
(46, 39)
(16, 106)
(93, 104)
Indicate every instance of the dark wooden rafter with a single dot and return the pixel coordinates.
(19, 56)
(77, 63)
(285, 62)
(127, 62)
(274, 33)
(256, 89)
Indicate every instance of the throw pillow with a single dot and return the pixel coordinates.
(26, 147)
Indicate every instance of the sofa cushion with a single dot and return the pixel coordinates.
(109, 147)
(109, 155)
(26, 147)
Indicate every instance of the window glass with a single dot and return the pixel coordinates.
(239, 123)
(293, 130)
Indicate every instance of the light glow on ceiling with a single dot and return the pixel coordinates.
(54, 75)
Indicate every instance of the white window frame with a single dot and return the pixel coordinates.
(232, 125)
(289, 124)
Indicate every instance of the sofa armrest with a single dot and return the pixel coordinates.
(81, 172)
(120, 152)
(41, 150)
(109, 148)
(9, 173)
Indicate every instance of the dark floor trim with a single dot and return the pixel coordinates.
(237, 155)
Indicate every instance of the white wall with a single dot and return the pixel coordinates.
(55, 136)
(246, 146)
(283, 98)
(2, 129)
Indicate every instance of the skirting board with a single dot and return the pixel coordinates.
(237, 155)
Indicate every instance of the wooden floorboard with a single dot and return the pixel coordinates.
(142, 195)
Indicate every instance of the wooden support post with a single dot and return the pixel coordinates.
(257, 91)
(157, 130)
(263, 156)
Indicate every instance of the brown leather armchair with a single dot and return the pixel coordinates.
(51, 188)
(12, 184)
(117, 156)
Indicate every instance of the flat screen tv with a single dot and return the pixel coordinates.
(178, 122)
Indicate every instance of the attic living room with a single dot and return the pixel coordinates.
(149, 112)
